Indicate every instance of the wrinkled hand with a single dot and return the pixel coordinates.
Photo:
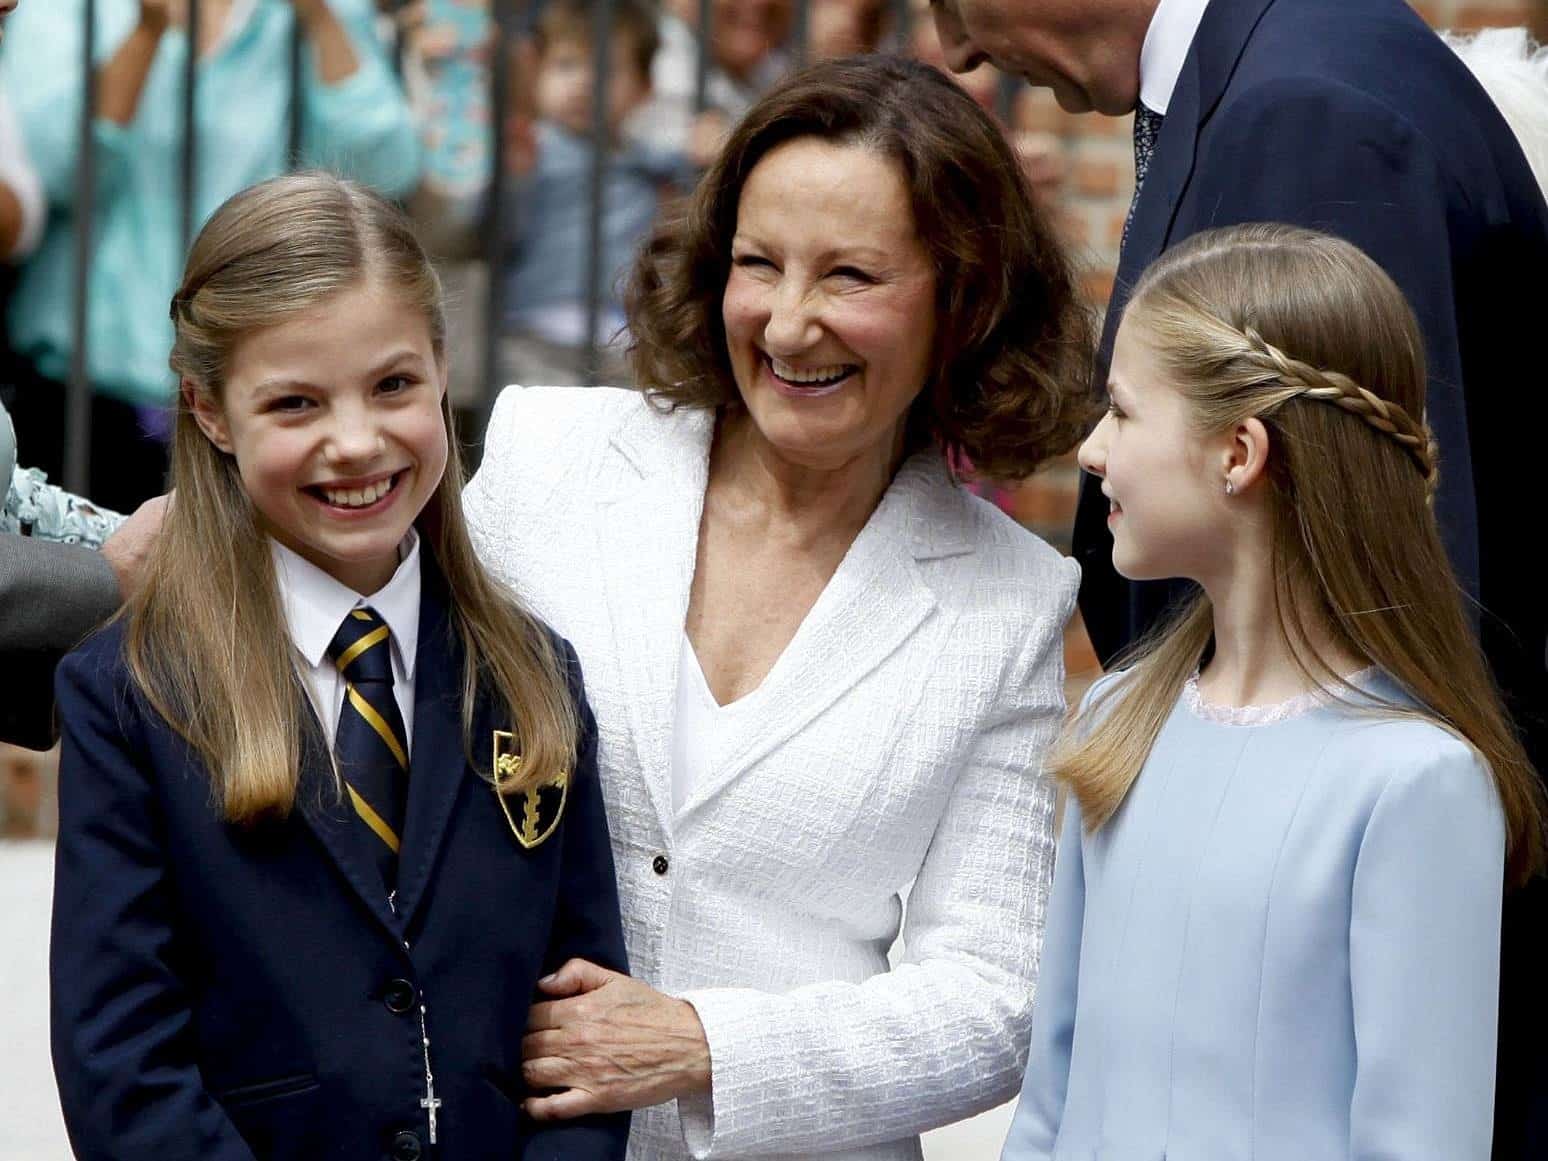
(611, 1043)
(129, 547)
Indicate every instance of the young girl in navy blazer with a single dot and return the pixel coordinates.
(328, 795)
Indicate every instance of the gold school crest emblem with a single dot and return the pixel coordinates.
(541, 807)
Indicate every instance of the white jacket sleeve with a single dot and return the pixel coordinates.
(943, 1035)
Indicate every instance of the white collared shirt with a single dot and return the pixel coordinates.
(1166, 46)
(315, 605)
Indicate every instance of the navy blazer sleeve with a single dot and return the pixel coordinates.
(123, 1045)
(586, 926)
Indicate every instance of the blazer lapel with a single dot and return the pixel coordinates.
(875, 601)
(338, 831)
(648, 538)
(437, 763)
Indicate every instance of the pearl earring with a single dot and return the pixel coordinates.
(1230, 487)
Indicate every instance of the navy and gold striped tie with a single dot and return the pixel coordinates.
(373, 759)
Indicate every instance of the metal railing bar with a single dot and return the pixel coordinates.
(800, 33)
(77, 457)
(601, 143)
(296, 139)
(503, 37)
(190, 159)
(702, 66)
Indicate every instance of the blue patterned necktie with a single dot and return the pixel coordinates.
(1147, 127)
(370, 744)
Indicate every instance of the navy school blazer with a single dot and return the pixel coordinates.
(223, 993)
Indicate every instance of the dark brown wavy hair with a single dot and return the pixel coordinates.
(1008, 385)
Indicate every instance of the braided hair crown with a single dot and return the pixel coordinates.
(1343, 392)
(1250, 317)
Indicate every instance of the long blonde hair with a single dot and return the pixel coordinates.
(1310, 336)
(206, 639)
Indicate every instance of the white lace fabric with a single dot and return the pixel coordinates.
(1268, 715)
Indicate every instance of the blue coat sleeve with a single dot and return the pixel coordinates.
(587, 925)
(362, 126)
(1424, 945)
(1035, 1127)
(123, 1044)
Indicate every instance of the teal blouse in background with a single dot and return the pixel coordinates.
(360, 127)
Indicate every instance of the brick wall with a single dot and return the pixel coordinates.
(1099, 177)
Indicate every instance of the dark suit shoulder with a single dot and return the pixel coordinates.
(1382, 76)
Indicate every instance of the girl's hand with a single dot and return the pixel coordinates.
(612, 1044)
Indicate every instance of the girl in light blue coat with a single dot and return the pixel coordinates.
(355, 120)
(1274, 927)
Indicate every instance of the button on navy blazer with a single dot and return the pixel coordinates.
(225, 993)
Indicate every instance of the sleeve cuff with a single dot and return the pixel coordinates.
(697, 1113)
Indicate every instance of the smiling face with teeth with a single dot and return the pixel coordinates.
(335, 421)
(829, 308)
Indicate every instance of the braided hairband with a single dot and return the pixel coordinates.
(1343, 392)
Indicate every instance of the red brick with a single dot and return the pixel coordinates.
(1096, 177)
(1097, 286)
(1472, 17)
(1080, 659)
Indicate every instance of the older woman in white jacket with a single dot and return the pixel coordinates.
(822, 670)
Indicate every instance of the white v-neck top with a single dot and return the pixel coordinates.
(703, 727)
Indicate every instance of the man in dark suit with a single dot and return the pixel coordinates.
(1348, 116)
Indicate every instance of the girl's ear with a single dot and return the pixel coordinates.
(207, 414)
(1247, 455)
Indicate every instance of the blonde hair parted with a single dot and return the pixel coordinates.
(207, 641)
(1311, 337)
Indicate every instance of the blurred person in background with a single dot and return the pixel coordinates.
(53, 588)
(746, 40)
(548, 208)
(845, 27)
(448, 51)
(354, 119)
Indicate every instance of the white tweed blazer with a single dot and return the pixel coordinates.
(906, 727)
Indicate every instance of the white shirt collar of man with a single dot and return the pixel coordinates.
(315, 604)
(1167, 42)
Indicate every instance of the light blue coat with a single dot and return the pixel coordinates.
(1284, 947)
(360, 127)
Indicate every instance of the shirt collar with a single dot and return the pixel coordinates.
(1167, 42)
(315, 604)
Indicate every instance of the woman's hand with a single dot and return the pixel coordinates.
(611, 1043)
